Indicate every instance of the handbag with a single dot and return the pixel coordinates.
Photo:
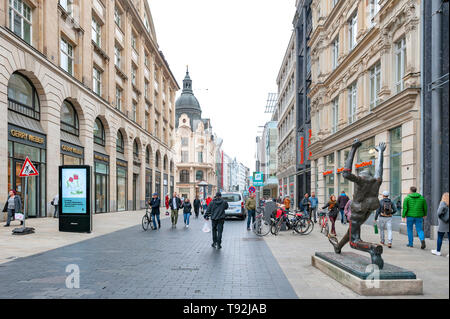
(52, 203)
(444, 215)
(19, 216)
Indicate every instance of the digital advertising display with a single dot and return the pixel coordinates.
(74, 191)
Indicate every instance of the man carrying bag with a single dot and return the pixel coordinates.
(216, 210)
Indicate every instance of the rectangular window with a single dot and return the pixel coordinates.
(97, 81)
(184, 141)
(335, 115)
(96, 32)
(66, 5)
(119, 99)
(200, 157)
(146, 60)
(134, 111)
(146, 88)
(374, 7)
(133, 41)
(352, 103)
(66, 60)
(400, 63)
(365, 154)
(20, 19)
(133, 75)
(117, 56)
(375, 80)
(117, 17)
(335, 52)
(147, 115)
(184, 156)
(352, 31)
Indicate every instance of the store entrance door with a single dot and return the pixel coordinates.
(135, 191)
(33, 207)
(100, 193)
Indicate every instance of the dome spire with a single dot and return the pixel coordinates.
(187, 82)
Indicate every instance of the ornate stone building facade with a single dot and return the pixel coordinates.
(365, 84)
(286, 164)
(195, 147)
(83, 82)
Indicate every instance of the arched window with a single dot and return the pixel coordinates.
(99, 132)
(136, 149)
(171, 167)
(22, 97)
(69, 119)
(184, 176)
(199, 175)
(120, 147)
(165, 163)
(147, 155)
(157, 160)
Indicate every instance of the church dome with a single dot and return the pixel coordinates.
(187, 103)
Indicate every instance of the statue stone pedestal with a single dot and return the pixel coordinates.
(356, 272)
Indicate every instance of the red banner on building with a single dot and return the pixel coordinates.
(302, 150)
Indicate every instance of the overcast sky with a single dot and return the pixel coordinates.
(234, 50)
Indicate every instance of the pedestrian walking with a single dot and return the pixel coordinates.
(187, 209)
(414, 211)
(204, 206)
(383, 217)
(348, 210)
(333, 212)
(250, 205)
(197, 204)
(216, 210)
(155, 204)
(305, 204)
(287, 203)
(443, 214)
(55, 202)
(342, 201)
(167, 204)
(13, 206)
(314, 204)
(175, 204)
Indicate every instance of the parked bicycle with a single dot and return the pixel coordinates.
(147, 219)
(261, 226)
(302, 222)
(323, 222)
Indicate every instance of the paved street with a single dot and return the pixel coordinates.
(120, 260)
(169, 263)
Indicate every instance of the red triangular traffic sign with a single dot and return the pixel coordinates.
(28, 169)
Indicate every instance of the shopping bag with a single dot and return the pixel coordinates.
(375, 227)
(206, 228)
(18, 216)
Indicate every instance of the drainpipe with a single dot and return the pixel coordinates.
(436, 67)
(422, 95)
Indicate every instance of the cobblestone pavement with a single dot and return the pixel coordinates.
(168, 263)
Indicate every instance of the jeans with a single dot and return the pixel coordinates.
(55, 214)
(410, 222)
(186, 218)
(439, 240)
(154, 220)
(196, 209)
(314, 213)
(382, 222)
(174, 216)
(251, 216)
(217, 230)
(343, 217)
(10, 216)
(333, 221)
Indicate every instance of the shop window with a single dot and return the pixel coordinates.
(69, 119)
(395, 171)
(22, 97)
(199, 175)
(99, 132)
(367, 153)
(119, 143)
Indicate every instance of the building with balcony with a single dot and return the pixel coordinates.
(83, 82)
(365, 84)
(195, 147)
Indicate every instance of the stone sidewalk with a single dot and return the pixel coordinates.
(48, 237)
(293, 252)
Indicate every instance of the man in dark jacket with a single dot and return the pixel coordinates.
(305, 204)
(342, 201)
(155, 204)
(216, 210)
(175, 204)
(385, 212)
(196, 206)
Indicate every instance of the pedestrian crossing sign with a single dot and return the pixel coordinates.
(28, 169)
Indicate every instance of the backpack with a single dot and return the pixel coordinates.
(387, 208)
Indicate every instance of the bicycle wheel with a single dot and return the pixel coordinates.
(275, 228)
(310, 228)
(261, 227)
(302, 226)
(145, 222)
(326, 229)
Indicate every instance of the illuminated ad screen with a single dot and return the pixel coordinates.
(74, 190)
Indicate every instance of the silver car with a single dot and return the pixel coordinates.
(236, 205)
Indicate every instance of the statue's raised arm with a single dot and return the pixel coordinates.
(379, 166)
(347, 173)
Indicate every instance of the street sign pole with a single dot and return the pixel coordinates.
(25, 202)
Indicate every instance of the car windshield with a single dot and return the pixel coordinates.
(231, 197)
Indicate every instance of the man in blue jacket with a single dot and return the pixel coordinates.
(155, 204)
(314, 204)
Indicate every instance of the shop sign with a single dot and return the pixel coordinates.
(340, 170)
(27, 136)
(302, 150)
(71, 149)
(122, 164)
(364, 164)
(327, 173)
(100, 157)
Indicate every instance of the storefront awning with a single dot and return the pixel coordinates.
(25, 122)
(69, 138)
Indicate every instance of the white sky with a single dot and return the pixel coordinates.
(234, 49)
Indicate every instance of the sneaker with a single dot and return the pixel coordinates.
(187, 226)
(390, 245)
(213, 245)
(408, 245)
(423, 245)
(435, 252)
(219, 246)
(5, 225)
